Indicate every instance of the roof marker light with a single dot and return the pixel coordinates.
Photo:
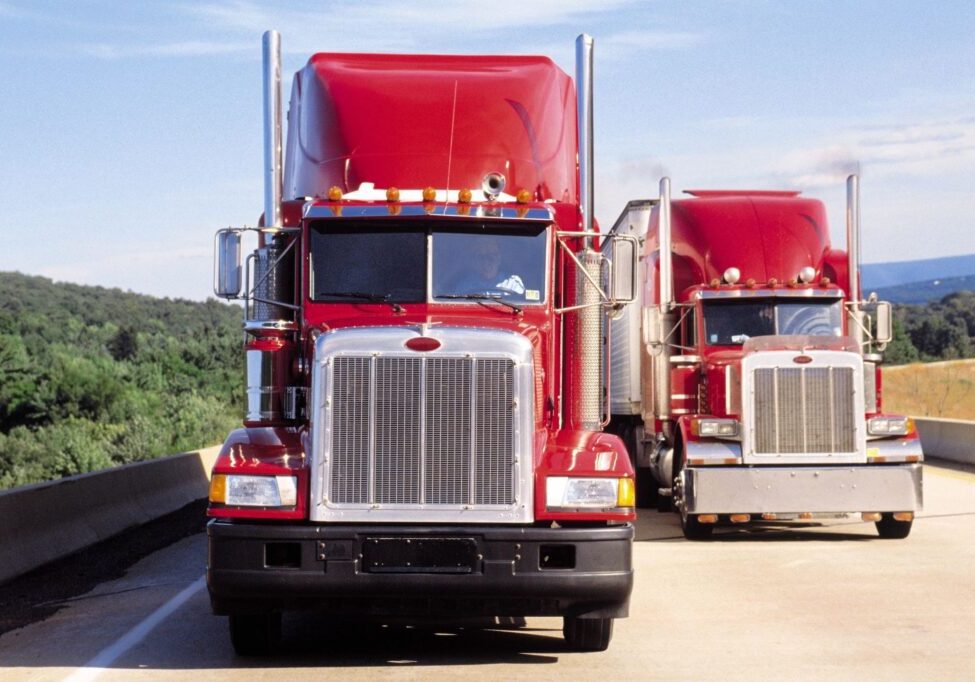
(732, 275)
(715, 283)
(464, 196)
(772, 282)
(750, 283)
(824, 282)
(334, 193)
(523, 196)
(807, 274)
(429, 194)
(392, 194)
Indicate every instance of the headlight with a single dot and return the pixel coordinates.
(890, 426)
(254, 491)
(715, 428)
(563, 492)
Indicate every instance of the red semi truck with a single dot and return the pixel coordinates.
(747, 385)
(425, 321)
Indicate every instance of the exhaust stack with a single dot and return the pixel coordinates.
(272, 129)
(584, 50)
(853, 255)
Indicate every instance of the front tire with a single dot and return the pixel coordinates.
(255, 634)
(890, 528)
(587, 634)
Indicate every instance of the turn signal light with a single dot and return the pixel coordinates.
(626, 494)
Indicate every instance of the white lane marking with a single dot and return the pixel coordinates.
(96, 666)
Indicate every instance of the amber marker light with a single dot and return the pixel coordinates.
(707, 518)
(870, 516)
(750, 283)
(824, 282)
(464, 196)
(903, 516)
(772, 283)
(218, 489)
(429, 194)
(740, 518)
(715, 283)
(769, 516)
(334, 193)
(523, 196)
(392, 194)
(626, 493)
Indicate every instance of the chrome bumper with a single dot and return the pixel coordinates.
(789, 489)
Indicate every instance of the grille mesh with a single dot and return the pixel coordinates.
(442, 431)
(802, 410)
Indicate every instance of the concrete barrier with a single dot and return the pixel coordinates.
(46, 521)
(948, 439)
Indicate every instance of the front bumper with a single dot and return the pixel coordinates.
(798, 489)
(513, 571)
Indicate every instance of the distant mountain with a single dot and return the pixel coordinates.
(877, 276)
(924, 292)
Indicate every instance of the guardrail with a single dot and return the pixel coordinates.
(949, 439)
(46, 521)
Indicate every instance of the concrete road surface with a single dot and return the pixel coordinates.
(827, 601)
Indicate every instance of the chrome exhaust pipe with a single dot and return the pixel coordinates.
(853, 254)
(584, 78)
(666, 249)
(272, 129)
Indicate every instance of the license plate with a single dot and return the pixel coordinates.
(419, 555)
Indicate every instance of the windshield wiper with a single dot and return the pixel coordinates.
(482, 297)
(372, 298)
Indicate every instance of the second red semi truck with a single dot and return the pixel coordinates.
(747, 385)
(425, 317)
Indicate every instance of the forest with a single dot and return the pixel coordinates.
(93, 377)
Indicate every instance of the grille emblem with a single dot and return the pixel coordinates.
(423, 343)
(802, 359)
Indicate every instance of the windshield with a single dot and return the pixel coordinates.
(732, 322)
(390, 262)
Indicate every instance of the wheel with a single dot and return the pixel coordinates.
(646, 486)
(255, 634)
(587, 634)
(689, 525)
(890, 528)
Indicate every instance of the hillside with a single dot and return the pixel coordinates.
(926, 291)
(881, 275)
(93, 377)
(943, 390)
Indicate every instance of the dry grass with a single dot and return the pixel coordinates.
(936, 389)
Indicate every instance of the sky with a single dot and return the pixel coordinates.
(131, 132)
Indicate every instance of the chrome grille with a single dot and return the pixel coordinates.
(433, 430)
(804, 410)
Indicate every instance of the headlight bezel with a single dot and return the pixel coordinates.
(612, 494)
(254, 491)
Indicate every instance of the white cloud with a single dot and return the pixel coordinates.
(919, 149)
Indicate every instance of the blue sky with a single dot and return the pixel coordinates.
(130, 132)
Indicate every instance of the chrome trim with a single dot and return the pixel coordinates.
(852, 411)
(475, 212)
(272, 129)
(463, 344)
(842, 489)
(265, 394)
(712, 449)
(277, 325)
(769, 293)
(894, 448)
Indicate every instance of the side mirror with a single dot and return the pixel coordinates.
(885, 326)
(623, 287)
(228, 274)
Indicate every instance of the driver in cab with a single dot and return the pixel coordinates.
(486, 274)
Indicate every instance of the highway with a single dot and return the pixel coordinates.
(825, 601)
